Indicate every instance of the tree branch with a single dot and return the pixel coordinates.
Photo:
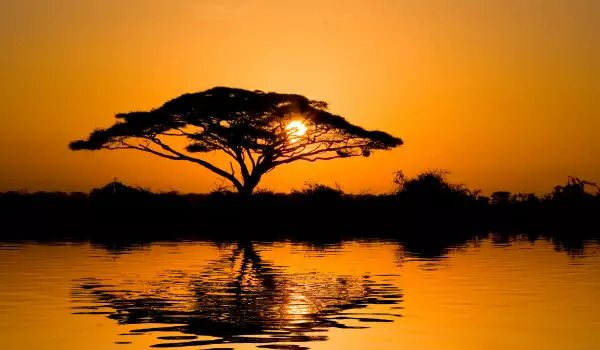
(317, 158)
(316, 152)
(125, 145)
(251, 158)
(181, 156)
(232, 170)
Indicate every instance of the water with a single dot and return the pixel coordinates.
(354, 295)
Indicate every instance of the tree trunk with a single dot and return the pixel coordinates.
(249, 185)
(247, 188)
(246, 191)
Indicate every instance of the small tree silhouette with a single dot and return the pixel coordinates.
(258, 131)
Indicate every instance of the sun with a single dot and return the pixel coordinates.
(296, 129)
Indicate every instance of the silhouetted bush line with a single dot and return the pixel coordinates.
(425, 209)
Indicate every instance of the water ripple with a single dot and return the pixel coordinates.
(239, 298)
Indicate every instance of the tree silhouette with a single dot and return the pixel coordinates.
(257, 130)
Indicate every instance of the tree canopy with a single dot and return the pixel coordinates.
(258, 130)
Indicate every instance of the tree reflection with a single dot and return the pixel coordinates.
(241, 298)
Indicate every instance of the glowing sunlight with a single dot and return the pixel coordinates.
(296, 129)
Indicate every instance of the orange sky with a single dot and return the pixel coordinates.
(505, 94)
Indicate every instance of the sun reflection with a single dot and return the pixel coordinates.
(298, 305)
(239, 297)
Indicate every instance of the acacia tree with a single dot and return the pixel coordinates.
(259, 131)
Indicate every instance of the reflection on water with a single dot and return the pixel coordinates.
(240, 299)
(493, 293)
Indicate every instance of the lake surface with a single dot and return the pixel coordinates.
(488, 294)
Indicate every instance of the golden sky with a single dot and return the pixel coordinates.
(504, 94)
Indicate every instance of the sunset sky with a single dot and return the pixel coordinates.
(504, 94)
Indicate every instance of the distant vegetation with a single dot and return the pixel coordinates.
(425, 211)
